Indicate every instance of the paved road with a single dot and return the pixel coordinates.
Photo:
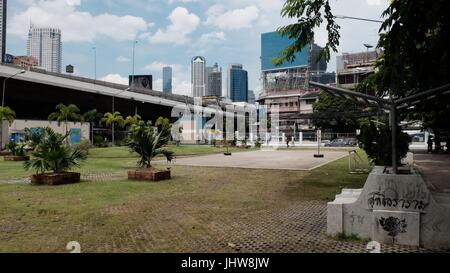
(435, 168)
(299, 160)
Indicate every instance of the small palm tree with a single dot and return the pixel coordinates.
(111, 120)
(133, 120)
(7, 114)
(148, 142)
(65, 114)
(53, 155)
(92, 116)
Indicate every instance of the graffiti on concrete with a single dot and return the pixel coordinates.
(394, 226)
(378, 199)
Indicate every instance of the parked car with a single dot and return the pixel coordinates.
(342, 142)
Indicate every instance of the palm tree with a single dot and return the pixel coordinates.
(92, 116)
(147, 143)
(65, 114)
(133, 120)
(111, 120)
(52, 155)
(8, 114)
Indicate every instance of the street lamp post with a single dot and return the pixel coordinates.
(113, 111)
(3, 136)
(357, 18)
(95, 63)
(132, 74)
(368, 47)
(4, 85)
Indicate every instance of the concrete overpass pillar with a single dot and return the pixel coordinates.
(4, 134)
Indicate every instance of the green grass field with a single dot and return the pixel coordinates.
(169, 216)
(110, 160)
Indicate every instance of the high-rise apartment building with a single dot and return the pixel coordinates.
(167, 79)
(3, 28)
(237, 83)
(214, 81)
(198, 76)
(45, 45)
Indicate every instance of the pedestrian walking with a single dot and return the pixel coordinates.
(430, 145)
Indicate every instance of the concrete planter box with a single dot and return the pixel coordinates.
(150, 174)
(16, 158)
(54, 179)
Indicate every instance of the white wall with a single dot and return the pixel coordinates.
(19, 125)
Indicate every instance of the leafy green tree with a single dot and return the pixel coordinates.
(325, 117)
(92, 116)
(148, 142)
(376, 140)
(414, 37)
(53, 155)
(417, 57)
(66, 113)
(310, 14)
(111, 120)
(8, 114)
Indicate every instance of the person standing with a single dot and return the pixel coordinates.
(430, 145)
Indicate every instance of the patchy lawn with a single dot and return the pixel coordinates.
(111, 161)
(200, 209)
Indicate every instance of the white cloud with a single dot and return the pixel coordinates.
(182, 24)
(212, 37)
(76, 26)
(115, 78)
(232, 19)
(122, 59)
(183, 1)
(373, 2)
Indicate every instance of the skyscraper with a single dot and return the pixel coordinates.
(167, 79)
(3, 4)
(45, 45)
(214, 81)
(237, 83)
(198, 76)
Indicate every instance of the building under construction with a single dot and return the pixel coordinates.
(354, 68)
(285, 87)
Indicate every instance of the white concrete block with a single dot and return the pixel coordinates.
(396, 227)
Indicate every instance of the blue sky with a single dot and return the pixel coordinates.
(171, 32)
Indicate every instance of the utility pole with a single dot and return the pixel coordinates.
(132, 74)
(95, 63)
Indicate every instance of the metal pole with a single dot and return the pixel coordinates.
(357, 18)
(132, 75)
(95, 63)
(394, 138)
(4, 86)
(113, 111)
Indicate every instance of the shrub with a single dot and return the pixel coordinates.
(52, 154)
(148, 141)
(258, 144)
(34, 137)
(377, 142)
(100, 142)
(17, 149)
